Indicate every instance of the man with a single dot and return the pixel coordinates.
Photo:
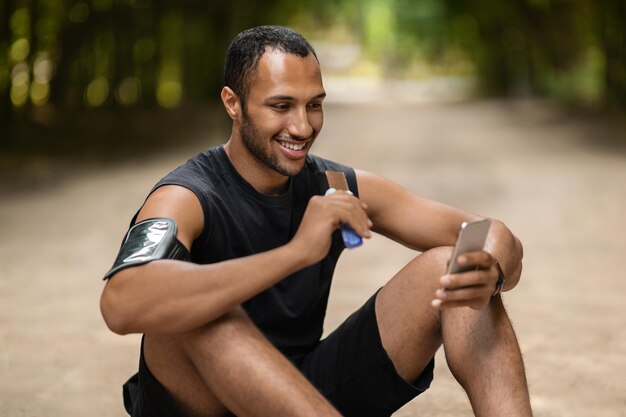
(236, 331)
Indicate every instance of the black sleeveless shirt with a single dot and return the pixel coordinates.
(239, 221)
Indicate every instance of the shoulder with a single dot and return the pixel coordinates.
(201, 175)
(178, 203)
(185, 194)
(199, 169)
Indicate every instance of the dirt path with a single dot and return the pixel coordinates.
(553, 179)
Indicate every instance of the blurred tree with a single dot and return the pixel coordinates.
(561, 48)
(6, 113)
(61, 60)
(612, 28)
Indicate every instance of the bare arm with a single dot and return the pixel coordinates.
(172, 296)
(423, 224)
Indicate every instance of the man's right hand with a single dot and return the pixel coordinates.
(325, 214)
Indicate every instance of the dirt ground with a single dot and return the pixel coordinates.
(557, 180)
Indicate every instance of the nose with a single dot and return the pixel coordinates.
(300, 127)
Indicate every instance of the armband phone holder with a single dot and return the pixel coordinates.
(149, 240)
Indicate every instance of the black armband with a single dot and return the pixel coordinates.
(149, 240)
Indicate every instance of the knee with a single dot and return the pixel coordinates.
(421, 277)
(439, 256)
(431, 265)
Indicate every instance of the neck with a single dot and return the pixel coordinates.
(256, 173)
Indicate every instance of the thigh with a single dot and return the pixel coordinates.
(226, 365)
(410, 327)
(168, 384)
(353, 370)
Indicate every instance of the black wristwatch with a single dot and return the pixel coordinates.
(501, 279)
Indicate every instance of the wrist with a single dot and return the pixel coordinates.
(298, 255)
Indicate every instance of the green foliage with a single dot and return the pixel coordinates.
(62, 57)
(116, 53)
(558, 48)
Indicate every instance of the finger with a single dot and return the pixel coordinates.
(481, 259)
(344, 196)
(469, 278)
(350, 210)
(464, 294)
(355, 217)
(475, 304)
(362, 226)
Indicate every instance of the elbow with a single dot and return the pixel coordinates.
(113, 312)
(517, 244)
(513, 241)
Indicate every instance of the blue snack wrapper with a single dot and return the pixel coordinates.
(350, 238)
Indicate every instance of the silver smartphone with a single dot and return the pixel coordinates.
(471, 238)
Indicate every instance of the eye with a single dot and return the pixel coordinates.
(315, 105)
(280, 106)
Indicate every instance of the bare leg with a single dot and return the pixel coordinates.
(229, 366)
(480, 346)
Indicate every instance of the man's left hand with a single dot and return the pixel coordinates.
(473, 288)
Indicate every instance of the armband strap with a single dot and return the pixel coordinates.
(149, 240)
(501, 279)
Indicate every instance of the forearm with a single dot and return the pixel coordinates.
(508, 250)
(173, 296)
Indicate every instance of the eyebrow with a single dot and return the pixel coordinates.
(283, 97)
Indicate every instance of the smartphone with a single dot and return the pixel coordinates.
(471, 238)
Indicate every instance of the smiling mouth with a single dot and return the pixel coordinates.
(292, 146)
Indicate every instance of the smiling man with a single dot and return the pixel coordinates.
(228, 266)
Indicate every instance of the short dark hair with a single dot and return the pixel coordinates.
(245, 51)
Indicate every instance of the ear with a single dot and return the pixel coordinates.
(231, 101)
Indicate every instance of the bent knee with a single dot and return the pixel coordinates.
(435, 259)
(427, 268)
(440, 255)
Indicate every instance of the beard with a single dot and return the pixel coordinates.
(261, 150)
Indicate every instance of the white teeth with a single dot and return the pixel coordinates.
(293, 146)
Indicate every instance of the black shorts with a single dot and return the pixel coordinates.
(350, 367)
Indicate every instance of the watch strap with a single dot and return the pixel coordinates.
(501, 279)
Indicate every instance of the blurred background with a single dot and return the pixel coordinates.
(84, 77)
(510, 108)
